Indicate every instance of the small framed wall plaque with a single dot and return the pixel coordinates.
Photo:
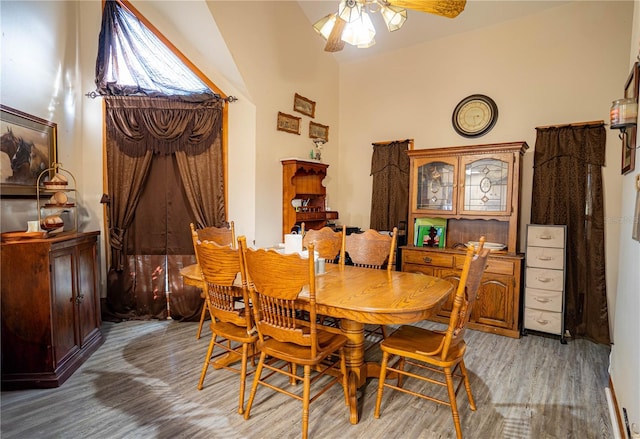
(304, 105)
(318, 131)
(288, 123)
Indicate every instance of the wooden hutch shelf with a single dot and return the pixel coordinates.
(469, 191)
(302, 181)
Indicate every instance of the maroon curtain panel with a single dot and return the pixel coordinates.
(390, 187)
(567, 189)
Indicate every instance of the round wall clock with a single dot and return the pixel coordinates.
(474, 116)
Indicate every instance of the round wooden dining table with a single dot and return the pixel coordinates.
(359, 296)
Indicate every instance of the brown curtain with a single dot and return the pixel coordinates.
(567, 189)
(164, 170)
(390, 190)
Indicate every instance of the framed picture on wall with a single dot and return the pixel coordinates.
(629, 135)
(318, 131)
(28, 146)
(288, 123)
(304, 105)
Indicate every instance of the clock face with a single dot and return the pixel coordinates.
(474, 116)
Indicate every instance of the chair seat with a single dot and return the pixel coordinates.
(415, 342)
(291, 352)
(233, 332)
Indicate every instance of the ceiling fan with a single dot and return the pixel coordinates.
(352, 24)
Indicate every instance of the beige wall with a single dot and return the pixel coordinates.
(275, 64)
(625, 353)
(563, 65)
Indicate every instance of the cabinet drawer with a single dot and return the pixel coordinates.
(545, 321)
(496, 266)
(545, 236)
(543, 299)
(545, 279)
(542, 257)
(418, 268)
(428, 258)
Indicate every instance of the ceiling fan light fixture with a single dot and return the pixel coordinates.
(360, 33)
(394, 16)
(350, 10)
(325, 25)
(365, 46)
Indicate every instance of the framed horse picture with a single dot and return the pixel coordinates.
(28, 146)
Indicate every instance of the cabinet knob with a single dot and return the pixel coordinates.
(79, 298)
(427, 259)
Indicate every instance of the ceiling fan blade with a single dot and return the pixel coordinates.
(334, 42)
(445, 8)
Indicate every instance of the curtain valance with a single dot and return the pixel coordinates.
(584, 143)
(161, 125)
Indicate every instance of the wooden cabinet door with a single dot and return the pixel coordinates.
(452, 276)
(87, 284)
(63, 312)
(434, 185)
(485, 184)
(494, 306)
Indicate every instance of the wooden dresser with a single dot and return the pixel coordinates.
(50, 308)
(468, 192)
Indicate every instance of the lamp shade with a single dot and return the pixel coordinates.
(394, 17)
(324, 26)
(359, 33)
(349, 10)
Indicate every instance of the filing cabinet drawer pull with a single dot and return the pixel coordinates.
(545, 237)
(542, 299)
(427, 260)
(544, 279)
(542, 322)
(545, 258)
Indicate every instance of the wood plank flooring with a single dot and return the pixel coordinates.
(142, 384)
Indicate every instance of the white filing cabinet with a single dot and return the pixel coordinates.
(544, 279)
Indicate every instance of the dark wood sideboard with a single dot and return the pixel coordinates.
(50, 308)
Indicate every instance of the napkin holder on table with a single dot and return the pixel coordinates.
(292, 243)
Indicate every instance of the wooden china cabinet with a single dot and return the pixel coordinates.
(473, 191)
(304, 195)
(50, 308)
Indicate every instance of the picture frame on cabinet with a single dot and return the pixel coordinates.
(318, 131)
(304, 105)
(629, 134)
(28, 146)
(288, 123)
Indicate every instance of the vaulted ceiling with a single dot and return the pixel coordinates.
(421, 27)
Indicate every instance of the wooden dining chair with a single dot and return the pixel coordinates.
(371, 249)
(327, 243)
(285, 341)
(221, 236)
(227, 297)
(440, 352)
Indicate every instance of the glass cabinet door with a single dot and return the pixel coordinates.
(435, 185)
(487, 184)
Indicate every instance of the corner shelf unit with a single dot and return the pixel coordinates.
(302, 181)
(46, 205)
